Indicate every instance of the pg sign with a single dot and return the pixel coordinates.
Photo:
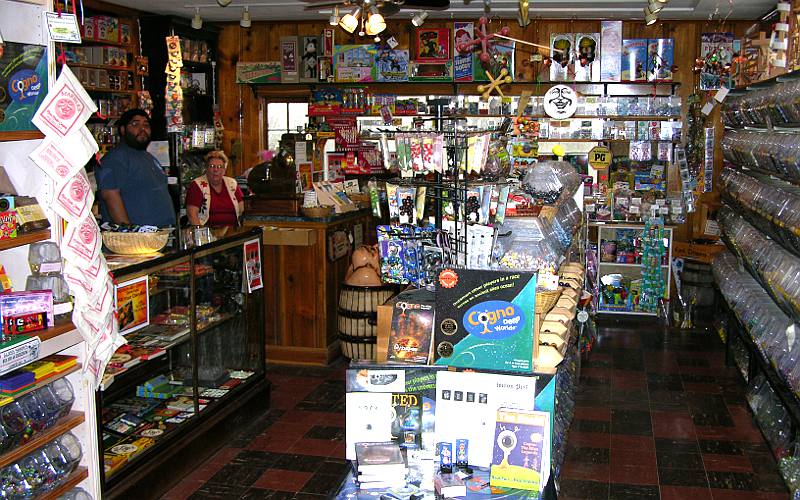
(600, 158)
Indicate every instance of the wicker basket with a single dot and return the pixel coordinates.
(545, 300)
(135, 243)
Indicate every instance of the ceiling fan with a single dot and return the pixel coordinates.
(371, 7)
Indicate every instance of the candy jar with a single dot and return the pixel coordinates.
(62, 389)
(39, 472)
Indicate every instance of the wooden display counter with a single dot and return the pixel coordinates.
(304, 263)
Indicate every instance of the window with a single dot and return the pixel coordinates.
(284, 117)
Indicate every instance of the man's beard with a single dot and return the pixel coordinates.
(132, 141)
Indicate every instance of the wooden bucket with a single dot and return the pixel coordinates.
(358, 319)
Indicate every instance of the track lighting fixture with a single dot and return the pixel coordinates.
(245, 21)
(419, 18)
(650, 18)
(349, 22)
(655, 6)
(197, 21)
(334, 19)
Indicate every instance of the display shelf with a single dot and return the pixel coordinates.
(72, 481)
(4, 400)
(52, 342)
(625, 264)
(108, 90)
(789, 311)
(67, 423)
(780, 234)
(25, 239)
(648, 118)
(107, 42)
(100, 66)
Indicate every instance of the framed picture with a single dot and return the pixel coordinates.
(23, 86)
(289, 62)
(433, 45)
(310, 51)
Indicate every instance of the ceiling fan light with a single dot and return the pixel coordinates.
(197, 21)
(655, 6)
(245, 21)
(349, 22)
(419, 18)
(650, 18)
(375, 22)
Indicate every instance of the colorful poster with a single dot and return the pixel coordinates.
(716, 48)
(660, 59)
(502, 52)
(462, 61)
(562, 48)
(390, 65)
(23, 84)
(587, 61)
(433, 45)
(634, 60)
(289, 54)
(252, 265)
(132, 302)
(353, 63)
(309, 64)
(521, 450)
(610, 55)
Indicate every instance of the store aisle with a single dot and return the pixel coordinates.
(293, 452)
(658, 415)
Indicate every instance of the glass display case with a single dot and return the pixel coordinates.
(195, 355)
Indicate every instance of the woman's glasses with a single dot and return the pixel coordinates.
(216, 167)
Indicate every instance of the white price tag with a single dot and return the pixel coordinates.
(547, 281)
(634, 209)
(780, 63)
(781, 26)
(636, 201)
(707, 108)
(19, 354)
(392, 42)
(791, 332)
(721, 94)
(784, 7)
(62, 27)
(172, 180)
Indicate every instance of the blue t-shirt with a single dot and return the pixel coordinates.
(142, 184)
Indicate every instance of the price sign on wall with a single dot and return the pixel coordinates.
(600, 157)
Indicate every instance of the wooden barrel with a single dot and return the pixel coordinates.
(358, 319)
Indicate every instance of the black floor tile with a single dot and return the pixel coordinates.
(698, 362)
(334, 466)
(712, 419)
(236, 474)
(632, 491)
(599, 426)
(254, 458)
(672, 460)
(218, 491)
(771, 482)
(588, 456)
(676, 445)
(661, 382)
(325, 432)
(720, 447)
(257, 494)
(308, 496)
(632, 422)
(323, 484)
(587, 490)
(682, 477)
(300, 463)
(733, 480)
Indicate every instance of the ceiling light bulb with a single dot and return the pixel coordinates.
(419, 18)
(334, 19)
(245, 21)
(349, 22)
(377, 39)
(650, 18)
(375, 22)
(655, 6)
(197, 21)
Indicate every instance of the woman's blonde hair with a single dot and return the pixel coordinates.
(217, 153)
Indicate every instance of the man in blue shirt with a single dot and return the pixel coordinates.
(132, 184)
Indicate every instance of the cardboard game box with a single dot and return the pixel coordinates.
(484, 319)
(634, 60)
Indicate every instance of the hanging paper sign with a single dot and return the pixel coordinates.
(63, 158)
(665, 151)
(600, 157)
(63, 27)
(560, 102)
(81, 243)
(252, 265)
(66, 108)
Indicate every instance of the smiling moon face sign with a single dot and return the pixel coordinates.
(560, 102)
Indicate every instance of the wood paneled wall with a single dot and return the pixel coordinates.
(244, 122)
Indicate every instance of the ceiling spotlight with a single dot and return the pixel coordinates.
(197, 21)
(349, 22)
(655, 6)
(334, 19)
(375, 22)
(245, 21)
(419, 18)
(224, 3)
(650, 18)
